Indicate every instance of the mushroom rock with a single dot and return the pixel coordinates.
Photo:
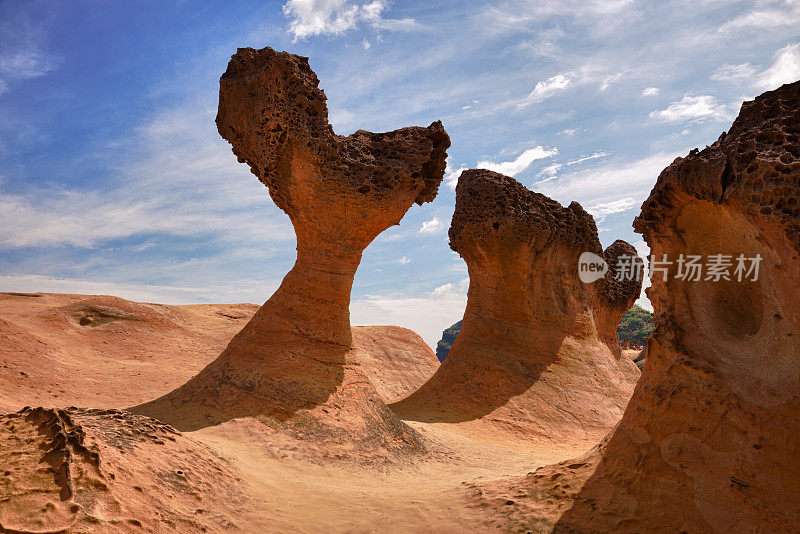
(528, 359)
(617, 291)
(293, 361)
(711, 437)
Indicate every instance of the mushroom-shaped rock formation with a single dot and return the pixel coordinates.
(617, 290)
(711, 437)
(528, 358)
(292, 360)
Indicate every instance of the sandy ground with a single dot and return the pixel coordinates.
(105, 352)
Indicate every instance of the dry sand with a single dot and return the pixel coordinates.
(106, 352)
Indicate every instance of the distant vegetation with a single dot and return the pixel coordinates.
(448, 337)
(635, 327)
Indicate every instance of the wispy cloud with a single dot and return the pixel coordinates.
(233, 291)
(693, 108)
(330, 17)
(549, 87)
(23, 54)
(432, 226)
(179, 179)
(651, 91)
(727, 72)
(613, 187)
(785, 69)
(451, 174)
(551, 171)
(427, 314)
(768, 15)
(601, 210)
(520, 163)
(609, 80)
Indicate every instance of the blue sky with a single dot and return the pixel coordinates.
(113, 179)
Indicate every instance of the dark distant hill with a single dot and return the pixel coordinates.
(448, 337)
(634, 328)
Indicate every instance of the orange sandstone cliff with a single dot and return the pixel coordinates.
(711, 437)
(530, 360)
(294, 362)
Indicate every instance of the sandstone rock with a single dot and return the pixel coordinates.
(105, 351)
(340, 193)
(61, 349)
(711, 437)
(528, 359)
(617, 291)
(78, 470)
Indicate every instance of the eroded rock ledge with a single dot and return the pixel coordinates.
(711, 437)
(293, 362)
(86, 470)
(529, 352)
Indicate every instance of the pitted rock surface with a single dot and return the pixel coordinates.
(273, 113)
(89, 470)
(529, 360)
(294, 364)
(493, 206)
(755, 166)
(710, 439)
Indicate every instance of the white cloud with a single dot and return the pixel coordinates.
(451, 175)
(727, 72)
(25, 64)
(366, 44)
(551, 171)
(651, 91)
(432, 226)
(596, 155)
(236, 291)
(569, 132)
(611, 187)
(693, 108)
(601, 210)
(179, 179)
(332, 17)
(341, 119)
(769, 15)
(405, 24)
(403, 260)
(520, 163)
(553, 85)
(643, 250)
(785, 69)
(608, 80)
(428, 315)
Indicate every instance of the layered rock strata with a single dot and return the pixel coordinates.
(340, 193)
(529, 358)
